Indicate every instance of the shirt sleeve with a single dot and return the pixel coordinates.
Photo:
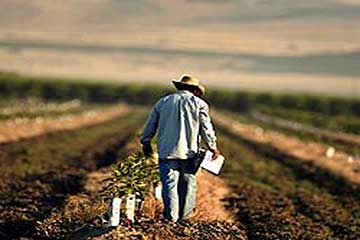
(151, 126)
(207, 131)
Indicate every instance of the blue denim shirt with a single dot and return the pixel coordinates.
(179, 118)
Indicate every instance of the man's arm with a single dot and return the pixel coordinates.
(149, 131)
(207, 130)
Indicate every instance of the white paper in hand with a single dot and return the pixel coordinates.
(213, 166)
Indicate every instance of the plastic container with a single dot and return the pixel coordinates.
(158, 190)
(114, 212)
(130, 207)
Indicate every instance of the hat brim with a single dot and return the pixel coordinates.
(178, 85)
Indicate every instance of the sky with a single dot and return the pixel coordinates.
(278, 45)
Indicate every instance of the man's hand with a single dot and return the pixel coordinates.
(147, 149)
(216, 153)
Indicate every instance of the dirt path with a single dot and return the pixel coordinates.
(68, 201)
(278, 197)
(210, 210)
(340, 163)
(211, 219)
(342, 137)
(261, 201)
(14, 130)
(32, 204)
(210, 200)
(211, 192)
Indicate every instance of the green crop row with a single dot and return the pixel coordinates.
(15, 86)
(12, 85)
(243, 101)
(343, 123)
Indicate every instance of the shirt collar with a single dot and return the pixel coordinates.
(185, 92)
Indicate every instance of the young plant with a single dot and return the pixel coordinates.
(133, 175)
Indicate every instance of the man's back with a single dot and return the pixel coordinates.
(180, 118)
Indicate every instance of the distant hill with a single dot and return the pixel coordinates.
(253, 44)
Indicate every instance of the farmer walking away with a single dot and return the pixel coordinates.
(181, 119)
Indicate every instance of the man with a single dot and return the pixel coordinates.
(181, 118)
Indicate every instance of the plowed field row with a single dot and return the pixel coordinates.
(293, 147)
(38, 174)
(14, 130)
(49, 189)
(277, 197)
(346, 142)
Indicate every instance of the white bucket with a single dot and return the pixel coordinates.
(114, 212)
(138, 207)
(158, 190)
(130, 207)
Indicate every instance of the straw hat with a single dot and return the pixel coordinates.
(187, 79)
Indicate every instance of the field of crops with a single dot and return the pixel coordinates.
(51, 183)
(340, 140)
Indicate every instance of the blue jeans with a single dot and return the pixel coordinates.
(178, 188)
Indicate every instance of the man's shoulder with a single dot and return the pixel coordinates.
(178, 95)
(202, 102)
(164, 98)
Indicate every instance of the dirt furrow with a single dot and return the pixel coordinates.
(27, 200)
(340, 137)
(211, 194)
(293, 147)
(14, 130)
(211, 214)
(85, 207)
(64, 202)
(279, 198)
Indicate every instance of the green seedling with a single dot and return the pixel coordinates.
(134, 175)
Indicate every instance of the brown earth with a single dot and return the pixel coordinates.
(210, 214)
(210, 200)
(211, 192)
(294, 147)
(211, 220)
(341, 137)
(49, 203)
(79, 217)
(78, 213)
(14, 130)
(84, 204)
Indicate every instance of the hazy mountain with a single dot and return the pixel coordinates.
(253, 43)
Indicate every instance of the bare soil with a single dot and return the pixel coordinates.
(64, 203)
(211, 219)
(14, 130)
(267, 191)
(31, 206)
(293, 147)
